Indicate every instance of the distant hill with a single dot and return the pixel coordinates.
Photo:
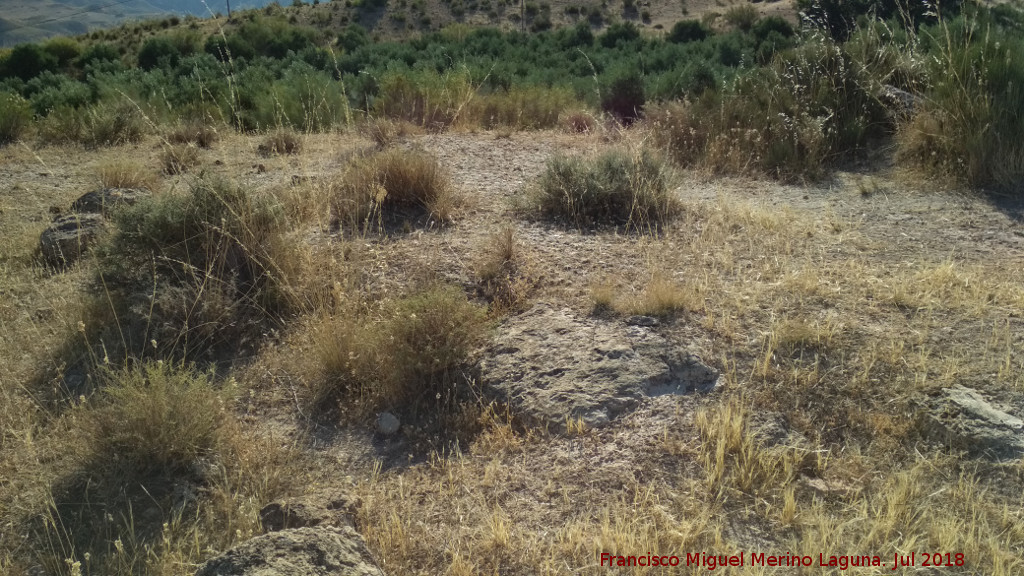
(34, 20)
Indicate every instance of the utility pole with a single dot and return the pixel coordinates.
(229, 10)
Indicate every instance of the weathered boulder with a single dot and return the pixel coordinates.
(961, 417)
(104, 200)
(297, 552)
(68, 237)
(551, 366)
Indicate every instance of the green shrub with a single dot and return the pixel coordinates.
(623, 94)
(688, 31)
(619, 33)
(354, 36)
(26, 61)
(158, 52)
(839, 17)
(65, 50)
(15, 118)
(618, 188)
(787, 120)
(273, 37)
(98, 53)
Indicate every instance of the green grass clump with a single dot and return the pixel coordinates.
(105, 124)
(618, 188)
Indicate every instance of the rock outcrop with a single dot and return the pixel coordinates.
(551, 367)
(321, 551)
(68, 237)
(104, 200)
(962, 418)
(71, 235)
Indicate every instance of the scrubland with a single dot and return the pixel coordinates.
(829, 212)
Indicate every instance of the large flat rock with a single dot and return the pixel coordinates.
(551, 366)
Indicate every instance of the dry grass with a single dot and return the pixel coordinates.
(283, 141)
(385, 132)
(505, 271)
(125, 174)
(621, 187)
(390, 181)
(415, 353)
(179, 159)
(830, 337)
(578, 122)
(199, 134)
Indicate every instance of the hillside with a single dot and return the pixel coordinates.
(35, 21)
(32, 21)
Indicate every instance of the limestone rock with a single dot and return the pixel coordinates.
(550, 365)
(68, 237)
(104, 200)
(963, 418)
(297, 552)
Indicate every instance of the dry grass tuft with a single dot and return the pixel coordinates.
(633, 189)
(385, 132)
(664, 297)
(415, 353)
(125, 174)
(179, 159)
(284, 141)
(505, 273)
(578, 122)
(393, 180)
(198, 134)
(154, 420)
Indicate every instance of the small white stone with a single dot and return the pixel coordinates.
(387, 423)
